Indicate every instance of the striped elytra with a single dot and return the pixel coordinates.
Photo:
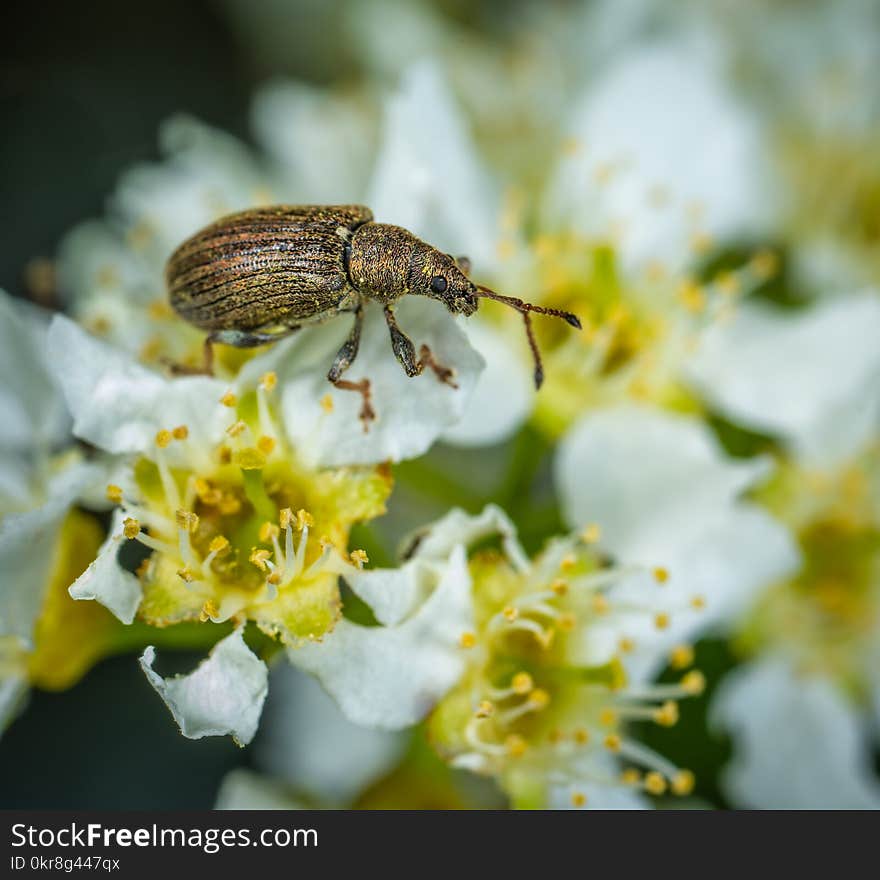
(265, 265)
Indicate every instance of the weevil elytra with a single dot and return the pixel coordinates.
(256, 276)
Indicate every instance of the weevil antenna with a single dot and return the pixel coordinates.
(526, 310)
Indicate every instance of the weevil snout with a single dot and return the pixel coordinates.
(464, 303)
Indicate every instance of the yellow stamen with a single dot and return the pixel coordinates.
(600, 604)
(568, 563)
(249, 459)
(581, 736)
(163, 438)
(229, 399)
(268, 531)
(467, 640)
(188, 520)
(236, 428)
(186, 574)
(258, 557)
(304, 519)
(327, 403)
(631, 776)
(230, 505)
(608, 717)
(578, 799)
(114, 493)
(131, 528)
(566, 621)
(539, 699)
(559, 586)
(655, 783)
(667, 714)
(694, 683)
(661, 575)
(181, 432)
(521, 683)
(485, 709)
(698, 603)
(683, 782)
(681, 656)
(266, 444)
(209, 610)
(626, 645)
(612, 742)
(510, 613)
(359, 557)
(219, 545)
(661, 620)
(285, 517)
(268, 381)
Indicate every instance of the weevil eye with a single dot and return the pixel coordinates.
(438, 284)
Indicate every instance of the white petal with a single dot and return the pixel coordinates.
(428, 178)
(800, 744)
(27, 548)
(119, 405)
(649, 479)
(13, 694)
(32, 412)
(812, 376)
(664, 120)
(106, 581)
(410, 413)
(394, 594)
(224, 695)
(245, 790)
(391, 677)
(321, 143)
(309, 744)
(504, 394)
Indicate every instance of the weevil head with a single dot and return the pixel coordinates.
(441, 277)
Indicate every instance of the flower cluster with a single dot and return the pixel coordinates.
(698, 477)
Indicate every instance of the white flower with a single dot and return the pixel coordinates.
(209, 479)
(810, 377)
(661, 171)
(224, 695)
(662, 494)
(800, 743)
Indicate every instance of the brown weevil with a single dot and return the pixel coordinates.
(256, 276)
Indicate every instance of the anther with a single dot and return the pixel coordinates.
(698, 603)
(567, 562)
(631, 776)
(304, 520)
(559, 586)
(539, 699)
(600, 604)
(268, 381)
(485, 709)
(522, 683)
(186, 574)
(114, 493)
(581, 736)
(266, 444)
(667, 714)
(268, 531)
(608, 717)
(285, 517)
(612, 742)
(181, 432)
(510, 613)
(578, 799)
(327, 403)
(236, 428)
(566, 621)
(219, 545)
(626, 645)
(655, 783)
(516, 746)
(359, 557)
(467, 640)
(681, 656)
(694, 683)
(683, 782)
(661, 620)
(209, 610)
(163, 438)
(229, 399)
(131, 528)
(187, 520)
(259, 557)
(661, 575)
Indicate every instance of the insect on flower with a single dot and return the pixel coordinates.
(256, 276)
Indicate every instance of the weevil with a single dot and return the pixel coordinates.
(253, 277)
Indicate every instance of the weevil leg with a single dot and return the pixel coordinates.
(402, 345)
(346, 355)
(367, 413)
(344, 359)
(444, 374)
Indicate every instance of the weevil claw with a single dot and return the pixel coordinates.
(444, 374)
